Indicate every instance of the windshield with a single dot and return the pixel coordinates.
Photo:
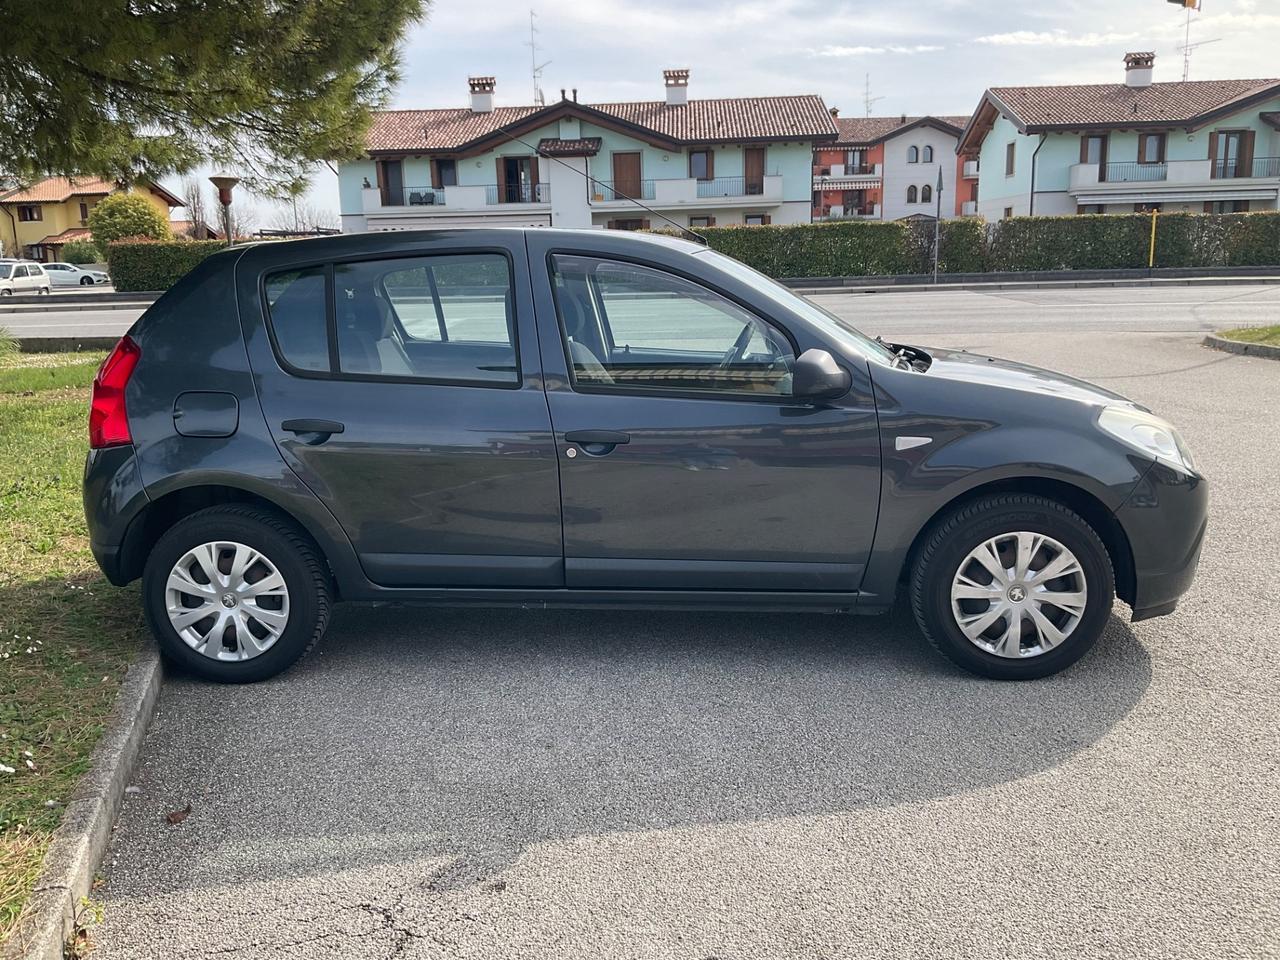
(828, 323)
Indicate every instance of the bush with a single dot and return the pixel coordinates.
(142, 264)
(123, 215)
(818, 249)
(81, 251)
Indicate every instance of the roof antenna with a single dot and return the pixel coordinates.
(868, 101)
(614, 190)
(535, 68)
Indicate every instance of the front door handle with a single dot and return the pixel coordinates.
(596, 443)
(313, 432)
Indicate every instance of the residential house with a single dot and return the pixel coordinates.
(886, 168)
(692, 162)
(35, 222)
(1208, 146)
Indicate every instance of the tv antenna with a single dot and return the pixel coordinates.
(868, 101)
(535, 68)
(1187, 46)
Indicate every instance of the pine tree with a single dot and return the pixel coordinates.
(131, 88)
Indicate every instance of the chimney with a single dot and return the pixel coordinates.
(677, 84)
(835, 112)
(481, 94)
(1138, 68)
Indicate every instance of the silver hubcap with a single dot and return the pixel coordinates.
(1019, 595)
(227, 601)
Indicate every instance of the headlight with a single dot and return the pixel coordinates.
(1147, 433)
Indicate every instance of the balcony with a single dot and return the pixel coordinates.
(496, 193)
(969, 208)
(607, 191)
(1174, 181)
(840, 176)
(687, 191)
(970, 170)
(868, 211)
(422, 197)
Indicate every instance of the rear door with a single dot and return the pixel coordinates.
(403, 388)
(685, 463)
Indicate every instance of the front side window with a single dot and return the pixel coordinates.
(700, 164)
(632, 327)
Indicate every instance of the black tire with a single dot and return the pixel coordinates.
(294, 555)
(86, 281)
(953, 537)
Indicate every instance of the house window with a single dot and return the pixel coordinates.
(928, 154)
(1008, 212)
(1010, 152)
(701, 166)
(1151, 148)
(84, 211)
(913, 154)
(447, 171)
(1227, 206)
(756, 219)
(702, 221)
(1091, 208)
(912, 194)
(628, 224)
(926, 194)
(855, 161)
(391, 182)
(27, 214)
(1093, 149)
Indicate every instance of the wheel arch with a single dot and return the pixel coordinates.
(161, 513)
(1092, 510)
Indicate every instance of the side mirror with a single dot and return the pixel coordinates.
(816, 376)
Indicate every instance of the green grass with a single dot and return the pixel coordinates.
(66, 636)
(1268, 335)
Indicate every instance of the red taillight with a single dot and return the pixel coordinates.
(108, 421)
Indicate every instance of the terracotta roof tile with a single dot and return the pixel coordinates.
(66, 236)
(857, 131)
(1115, 103)
(698, 121)
(57, 189)
(582, 147)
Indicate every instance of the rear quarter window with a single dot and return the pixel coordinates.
(296, 309)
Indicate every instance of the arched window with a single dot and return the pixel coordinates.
(928, 154)
(926, 194)
(913, 154)
(911, 191)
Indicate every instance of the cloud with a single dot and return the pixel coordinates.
(1055, 38)
(837, 51)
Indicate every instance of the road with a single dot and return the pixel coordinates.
(890, 314)
(443, 783)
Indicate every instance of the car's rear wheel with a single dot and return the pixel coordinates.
(6, 293)
(1013, 587)
(236, 594)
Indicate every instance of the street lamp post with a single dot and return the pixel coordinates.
(225, 182)
(937, 227)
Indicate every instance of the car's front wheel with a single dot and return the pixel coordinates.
(1013, 587)
(86, 281)
(236, 594)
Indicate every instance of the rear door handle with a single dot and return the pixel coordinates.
(585, 437)
(321, 429)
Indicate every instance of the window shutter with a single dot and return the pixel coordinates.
(1084, 148)
(765, 220)
(382, 189)
(1246, 154)
(1208, 206)
(711, 164)
(435, 175)
(502, 180)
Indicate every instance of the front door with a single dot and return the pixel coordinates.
(626, 176)
(684, 463)
(403, 390)
(753, 168)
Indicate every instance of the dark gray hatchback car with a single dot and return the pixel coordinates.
(588, 418)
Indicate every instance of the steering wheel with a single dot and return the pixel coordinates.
(739, 349)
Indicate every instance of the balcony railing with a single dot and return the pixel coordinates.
(422, 197)
(1261, 167)
(970, 169)
(1135, 172)
(605, 190)
(517, 193)
(731, 187)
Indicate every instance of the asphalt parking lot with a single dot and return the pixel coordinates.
(572, 784)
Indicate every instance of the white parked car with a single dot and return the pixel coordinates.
(23, 276)
(69, 275)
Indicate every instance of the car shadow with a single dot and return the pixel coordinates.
(462, 737)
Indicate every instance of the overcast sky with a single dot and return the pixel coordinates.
(924, 56)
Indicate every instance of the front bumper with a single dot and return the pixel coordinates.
(1165, 518)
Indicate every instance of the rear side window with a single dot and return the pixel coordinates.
(295, 301)
(447, 317)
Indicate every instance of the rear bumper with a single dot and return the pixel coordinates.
(113, 497)
(1165, 518)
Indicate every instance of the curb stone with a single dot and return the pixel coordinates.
(81, 840)
(1242, 347)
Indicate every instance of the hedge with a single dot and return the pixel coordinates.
(968, 245)
(155, 264)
